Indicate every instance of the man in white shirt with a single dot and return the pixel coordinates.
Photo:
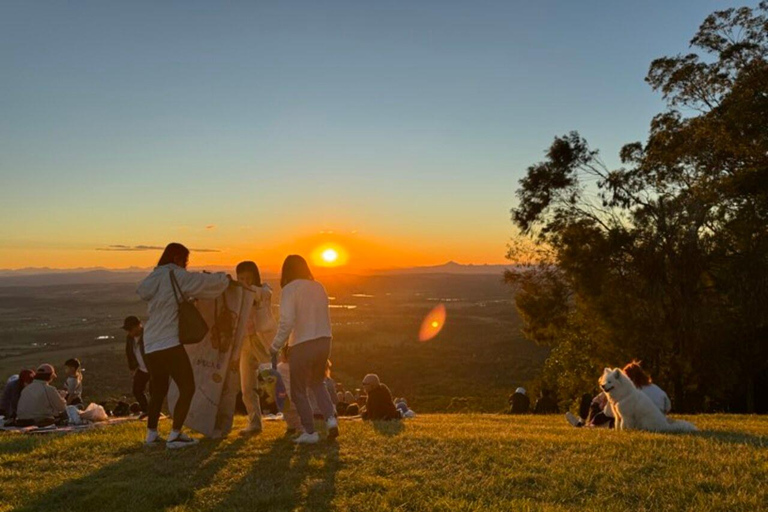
(134, 352)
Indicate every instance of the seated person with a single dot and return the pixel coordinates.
(12, 392)
(546, 404)
(40, 403)
(600, 414)
(74, 382)
(402, 407)
(642, 381)
(519, 403)
(379, 404)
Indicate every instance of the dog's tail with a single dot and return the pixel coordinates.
(681, 426)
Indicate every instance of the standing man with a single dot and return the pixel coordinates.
(134, 352)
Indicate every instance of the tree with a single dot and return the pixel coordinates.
(667, 257)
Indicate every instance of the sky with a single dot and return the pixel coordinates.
(395, 132)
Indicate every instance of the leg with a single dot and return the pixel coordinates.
(320, 351)
(249, 382)
(140, 380)
(181, 373)
(300, 365)
(158, 385)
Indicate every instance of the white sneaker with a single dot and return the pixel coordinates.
(573, 420)
(305, 438)
(333, 428)
(180, 441)
(153, 439)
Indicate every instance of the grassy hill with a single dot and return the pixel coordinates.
(434, 462)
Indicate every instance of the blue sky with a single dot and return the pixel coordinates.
(410, 122)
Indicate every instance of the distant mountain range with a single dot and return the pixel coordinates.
(41, 276)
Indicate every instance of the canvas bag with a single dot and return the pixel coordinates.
(216, 371)
(192, 326)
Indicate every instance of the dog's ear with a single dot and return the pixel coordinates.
(606, 370)
(616, 373)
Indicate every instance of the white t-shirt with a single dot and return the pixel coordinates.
(658, 397)
(137, 353)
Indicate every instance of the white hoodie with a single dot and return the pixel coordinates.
(162, 329)
(303, 312)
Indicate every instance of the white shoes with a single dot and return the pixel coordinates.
(573, 420)
(305, 438)
(153, 439)
(333, 428)
(180, 441)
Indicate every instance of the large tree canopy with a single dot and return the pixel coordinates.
(666, 258)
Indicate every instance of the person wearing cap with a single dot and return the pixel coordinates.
(12, 392)
(134, 353)
(519, 402)
(379, 405)
(40, 403)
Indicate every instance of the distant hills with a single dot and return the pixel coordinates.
(42, 276)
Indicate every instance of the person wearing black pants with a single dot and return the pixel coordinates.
(164, 355)
(134, 353)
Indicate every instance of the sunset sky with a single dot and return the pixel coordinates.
(394, 131)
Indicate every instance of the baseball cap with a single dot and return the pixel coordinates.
(46, 369)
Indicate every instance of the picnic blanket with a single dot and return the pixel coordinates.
(216, 363)
(53, 429)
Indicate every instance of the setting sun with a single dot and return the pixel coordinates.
(330, 255)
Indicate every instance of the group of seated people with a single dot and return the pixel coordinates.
(374, 402)
(29, 398)
(519, 403)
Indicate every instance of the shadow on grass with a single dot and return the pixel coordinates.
(288, 477)
(732, 437)
(142, 479)
(388, 428)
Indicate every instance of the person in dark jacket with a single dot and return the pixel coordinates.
(134, 353)
(379, 405)
(519, 402)
(11, 393)
(546, 404)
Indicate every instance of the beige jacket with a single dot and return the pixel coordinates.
(40, 400)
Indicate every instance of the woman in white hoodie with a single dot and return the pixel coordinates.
(165, 357)
(304, 313)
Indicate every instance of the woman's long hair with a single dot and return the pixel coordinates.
(249, 266)
(295, 267)
(172, 252)
(637, 375)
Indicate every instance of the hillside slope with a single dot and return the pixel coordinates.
(434, 462)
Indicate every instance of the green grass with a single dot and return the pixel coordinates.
(434, 462)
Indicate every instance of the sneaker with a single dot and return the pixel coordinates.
(153, 439)
(251, 430)
(305, 438)
(333, 428)
(573, 420)
(180, 441)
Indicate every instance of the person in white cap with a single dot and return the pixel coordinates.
(40, 403)
(519, 403)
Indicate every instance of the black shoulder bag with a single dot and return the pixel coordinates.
(192, 326)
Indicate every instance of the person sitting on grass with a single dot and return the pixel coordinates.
(379, 404)
(40, 403)
(600, 414)
(402, 407)
(546, 404)
(12, 392)
(74, 382)
(642, 381)
(519, 403)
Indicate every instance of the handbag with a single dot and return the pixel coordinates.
(192, 326)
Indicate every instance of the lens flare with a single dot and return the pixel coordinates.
(433, 323)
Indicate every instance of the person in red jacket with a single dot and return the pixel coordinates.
(379, 405)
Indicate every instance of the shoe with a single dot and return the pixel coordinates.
(251, 431)
(180, 441)
(305, 438)
(573, 420)
(153, 440)
(333, 428)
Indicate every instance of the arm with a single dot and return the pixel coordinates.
(287, 320)
(202, 286)
(58, 404)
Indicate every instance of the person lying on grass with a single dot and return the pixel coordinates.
(379, 405)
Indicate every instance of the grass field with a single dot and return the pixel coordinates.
(434, 462)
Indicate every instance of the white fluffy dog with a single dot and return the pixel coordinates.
(633, 409)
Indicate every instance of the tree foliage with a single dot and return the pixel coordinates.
(666, 258)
